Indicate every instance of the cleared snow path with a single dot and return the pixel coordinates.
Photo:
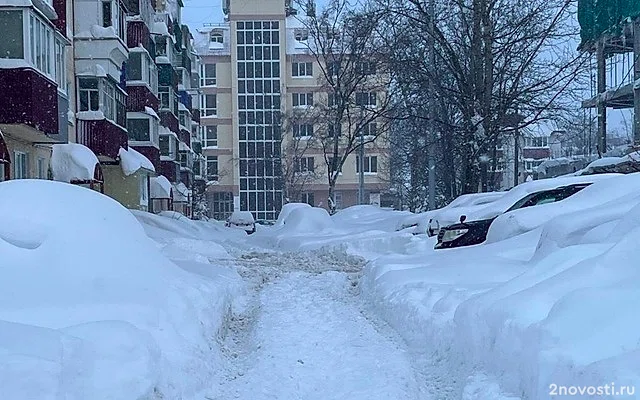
(303, 333)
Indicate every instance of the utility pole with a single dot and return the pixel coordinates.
(516, 155)
(361, 162)
(431, 158)
(602, 87)
(516, 147)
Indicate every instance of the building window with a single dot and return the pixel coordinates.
(307, 198)
(184, 119)
(140, 68)
(365, 68)
(138, 129)
(370, 164)
(221, 205)
(304, 164)
(20, 165)
(212, 168)
(217, 36)
(168, 99)
(366, 99)
(333, 130)
(42, 168)
(333, 68)
(89, 94)
(114, 15)
(186, 159)
(210, 136)
(101, 94)
(168, 144)
(537, 141)
(302, 130)
(11, 22)
(302, 69)
(41, 51)
(61, 66)
(369, 130)
(208, 74)
(302, 99)
(301, 34)
(209, 105)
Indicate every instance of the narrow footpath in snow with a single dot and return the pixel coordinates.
(303, 333)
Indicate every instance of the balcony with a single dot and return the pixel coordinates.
(29, 98)
(140, 97)
(103, 137)
(152, 153)
(138, 34)
(169, 120)
(170, 169)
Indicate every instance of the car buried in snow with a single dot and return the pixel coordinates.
(473, 228)
(242, 220)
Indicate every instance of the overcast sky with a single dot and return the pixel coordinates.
(198, 12)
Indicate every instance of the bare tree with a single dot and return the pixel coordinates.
(345, 42)
(495, 59)
(299, 145)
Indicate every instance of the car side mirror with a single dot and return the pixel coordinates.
(463, 218)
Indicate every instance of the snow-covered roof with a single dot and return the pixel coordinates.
(160, 187)
(181, 192)
(150, 111)
(163, 130)
(73, 162)
(184, 147)
(131, 161)
(160, 28)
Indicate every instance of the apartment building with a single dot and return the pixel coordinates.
(34, 106)
(258, 81)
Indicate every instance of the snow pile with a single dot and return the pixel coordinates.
(73, 162)
(286, 210)
(555, 305)
(100, 32)
(307, 220)
(132, 160)
(90, 308)
(608, 192)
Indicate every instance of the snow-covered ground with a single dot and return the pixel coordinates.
(99, 302)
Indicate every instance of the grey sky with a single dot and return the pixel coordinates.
(198, 12)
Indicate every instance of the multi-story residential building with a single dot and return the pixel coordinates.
(610, 32)
(536, 144)
(34, 106)
(256, 71)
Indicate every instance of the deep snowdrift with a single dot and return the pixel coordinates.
(556, 304)
(89, 306)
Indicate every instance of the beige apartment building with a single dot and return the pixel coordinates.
(256, 74)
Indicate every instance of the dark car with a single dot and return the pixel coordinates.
(475, 232)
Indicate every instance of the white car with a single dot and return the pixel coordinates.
(449, 216)
(458, 204)
(242, 220)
